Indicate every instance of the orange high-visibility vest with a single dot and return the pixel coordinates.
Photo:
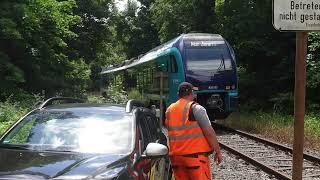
(185, 137)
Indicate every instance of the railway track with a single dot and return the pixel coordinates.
(271, 157)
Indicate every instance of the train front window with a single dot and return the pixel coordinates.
(209, 59)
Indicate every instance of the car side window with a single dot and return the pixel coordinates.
(152, 124)
(145, 133)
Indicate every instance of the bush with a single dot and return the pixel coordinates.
(10, 112)
(14, 107)
(134, 94)
(96, 99)
(312, 124)
(116, 94)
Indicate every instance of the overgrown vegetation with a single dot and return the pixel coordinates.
(276, 126)
(13, 109)
(56, 47)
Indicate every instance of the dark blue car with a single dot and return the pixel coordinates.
(85, 141)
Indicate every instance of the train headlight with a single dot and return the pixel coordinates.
(215, 101)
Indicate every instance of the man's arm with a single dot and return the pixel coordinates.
(202, 118)
(211, 137)
(213, 142)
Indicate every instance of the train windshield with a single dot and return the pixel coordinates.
(208, 59)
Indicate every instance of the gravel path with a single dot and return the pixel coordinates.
(234, 168)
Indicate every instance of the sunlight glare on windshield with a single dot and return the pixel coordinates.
(103, 136)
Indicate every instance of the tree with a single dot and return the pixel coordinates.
(313, 71)
(96, 43)
(135, 29)
(175, 17)
(34, 45)
(266, 55)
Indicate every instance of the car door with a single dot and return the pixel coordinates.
(144, 165)
(160, 168)
(149, 131)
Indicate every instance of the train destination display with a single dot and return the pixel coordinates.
(296, 15)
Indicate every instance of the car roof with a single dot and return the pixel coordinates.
(112, 107)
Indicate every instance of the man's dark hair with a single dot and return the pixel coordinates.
(184, 89)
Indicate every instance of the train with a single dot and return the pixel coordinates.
(205, 60)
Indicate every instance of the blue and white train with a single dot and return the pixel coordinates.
(205, 60)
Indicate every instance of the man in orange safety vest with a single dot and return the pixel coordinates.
(191, 137)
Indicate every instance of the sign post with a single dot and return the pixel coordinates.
(300, 16)
(299, 104)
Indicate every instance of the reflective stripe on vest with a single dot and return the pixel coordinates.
(184, 126)
(176, 128)
(185, 137)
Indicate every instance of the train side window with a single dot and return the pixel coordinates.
(164, 67)
(173, 64)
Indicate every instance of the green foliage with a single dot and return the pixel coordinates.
(283, 103)
(11, 111)
(312, 124)
(135, 30)
(96, 99)
(266, 56)
(10, 75)
(15, 106)
(34, 44)
(21, 137)
(77, 78)
(260, 121)
(313, 72)
(135, 94)
(115, 93)
(59, 46)
(173, 17)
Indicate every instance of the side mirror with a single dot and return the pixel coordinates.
(155, 150)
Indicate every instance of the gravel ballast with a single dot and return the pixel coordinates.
(233, 168)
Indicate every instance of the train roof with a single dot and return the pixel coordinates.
(155, 52)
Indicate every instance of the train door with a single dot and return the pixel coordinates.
(174, 80)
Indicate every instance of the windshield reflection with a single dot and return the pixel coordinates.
(89, 131)
(212, 59)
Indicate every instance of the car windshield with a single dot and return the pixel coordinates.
(89, 130)
(210, 59)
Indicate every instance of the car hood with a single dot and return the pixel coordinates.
(21, 164)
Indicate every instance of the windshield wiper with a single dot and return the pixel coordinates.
(56, 150)
(12, 146)
(222, 64)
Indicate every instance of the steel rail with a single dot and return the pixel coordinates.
(254, 162)
(306, 156)
(270, 143)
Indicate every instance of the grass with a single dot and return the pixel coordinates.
(10, 112)
(277, 126)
